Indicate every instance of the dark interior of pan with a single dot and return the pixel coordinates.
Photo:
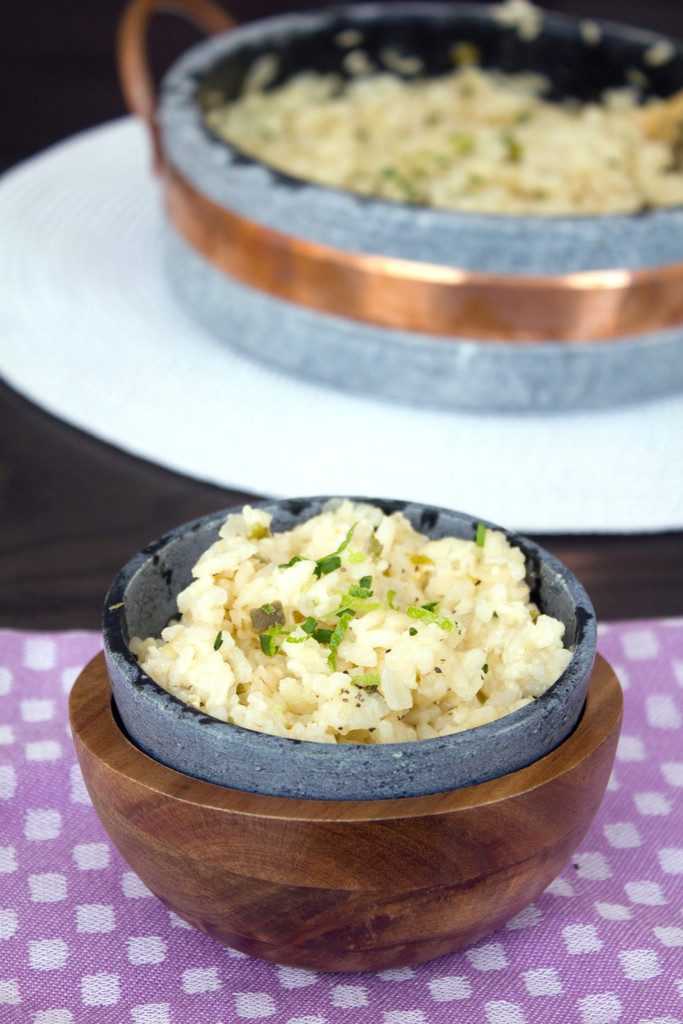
(574, 67)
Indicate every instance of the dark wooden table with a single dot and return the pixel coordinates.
(72, 509)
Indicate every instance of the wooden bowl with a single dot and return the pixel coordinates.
(345, 886)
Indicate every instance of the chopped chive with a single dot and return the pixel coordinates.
(327, 565)
(347, 540)
(218, 642)
(426, 616)
(391, 594)
(345, 611)
(495, 615)
(484, 668)
(113, 607)
(356, 557)
(412, 631)
(323, 636)
(360, 591)
(366, 581)
(367, 680)
(267, 642)
(293, 560)
(309, 625)
(431, 606)
(268, 608)
(480, 538)
(336, 639)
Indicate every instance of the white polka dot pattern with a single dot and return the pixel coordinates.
(82, 938)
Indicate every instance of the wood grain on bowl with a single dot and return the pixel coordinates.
(345, 886)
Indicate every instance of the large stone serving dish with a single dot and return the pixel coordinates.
(142, 599)
(429, 306)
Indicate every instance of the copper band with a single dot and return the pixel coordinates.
(424, 297)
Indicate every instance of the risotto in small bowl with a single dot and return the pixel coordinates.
(332, 648)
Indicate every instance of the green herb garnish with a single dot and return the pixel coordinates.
(426, 616)
(218, 642)
(369, 681)
(357, 605)
(431, 606)
(356, 557)
(268, 645)
(480, 538)
(495, 615)
(293, 560)
(329, 563)
(309, 626)
(336, 638)
(326, 565)
(323, 636)
(412, 631)
(391, 594)
(484, 668)
(362, 589)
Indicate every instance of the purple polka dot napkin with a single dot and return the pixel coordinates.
(82, 939)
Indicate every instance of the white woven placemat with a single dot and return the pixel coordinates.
(90, 331)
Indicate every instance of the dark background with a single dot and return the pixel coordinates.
(72, 509)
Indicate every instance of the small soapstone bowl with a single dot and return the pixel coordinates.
(340, 857)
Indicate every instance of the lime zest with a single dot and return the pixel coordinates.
(367, 681)
(424, 615)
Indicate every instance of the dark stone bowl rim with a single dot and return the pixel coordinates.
(575, 673)
(556, 21)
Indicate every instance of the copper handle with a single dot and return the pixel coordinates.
(134, 71)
